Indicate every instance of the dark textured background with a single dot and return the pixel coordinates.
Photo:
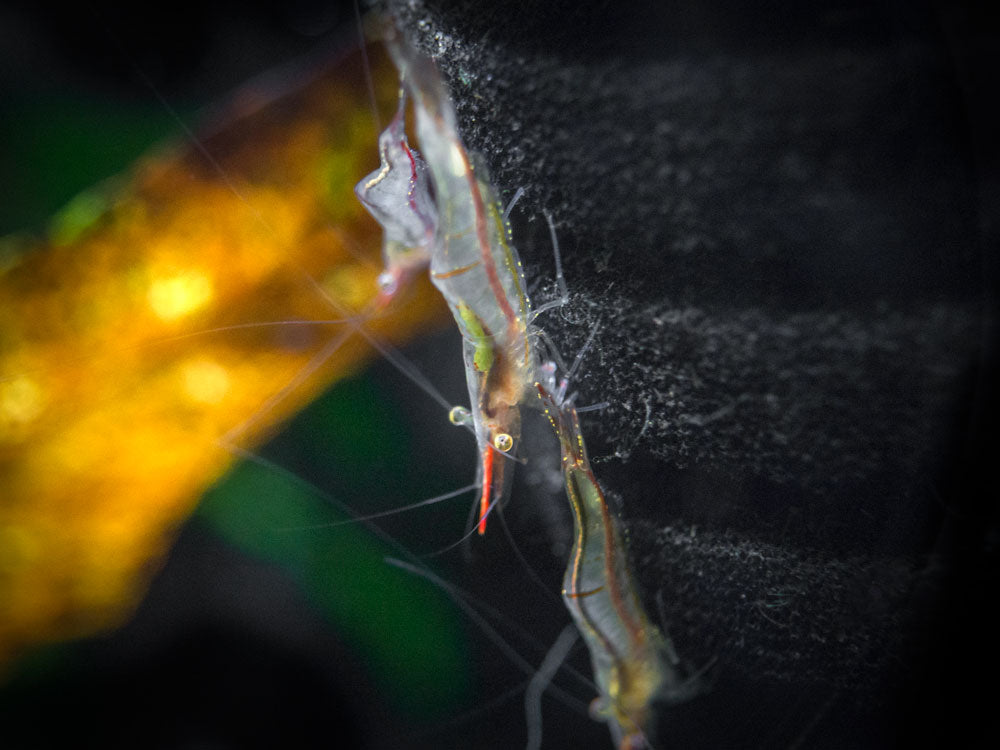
(783, 221)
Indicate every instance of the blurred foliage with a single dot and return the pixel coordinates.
(405, 629)
(130, 362)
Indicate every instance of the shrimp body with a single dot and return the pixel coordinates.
(629, 654)
(496, 352)
(472, 262)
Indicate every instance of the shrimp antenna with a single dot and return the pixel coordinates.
(189, 134)
(463, 601)
(571, 372)
(317, 492)
(398, 360)
(369, 83)
(563, 297)
(468, 534)
(560, 394)
(383, 514)
(310, 367)
(593, 407)
(515, 547)
(518, 194)
(542, 681)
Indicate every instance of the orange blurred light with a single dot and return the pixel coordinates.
(126, 361)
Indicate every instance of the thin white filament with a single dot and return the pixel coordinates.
(540, 683)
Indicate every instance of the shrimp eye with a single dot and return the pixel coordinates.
(503, 442)
(459, 415)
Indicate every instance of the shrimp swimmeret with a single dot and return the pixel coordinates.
(463, 235)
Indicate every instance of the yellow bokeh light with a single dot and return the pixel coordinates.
(173, 297)
(20, 401)
(205, 381)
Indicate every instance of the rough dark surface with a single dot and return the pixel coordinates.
(783, 223)
(778, 240)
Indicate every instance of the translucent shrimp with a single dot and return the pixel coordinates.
(477, 270)
(634, 664)
(472, 262)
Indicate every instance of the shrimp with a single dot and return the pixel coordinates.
(472, 262)
(633, 662)
(477, 270)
